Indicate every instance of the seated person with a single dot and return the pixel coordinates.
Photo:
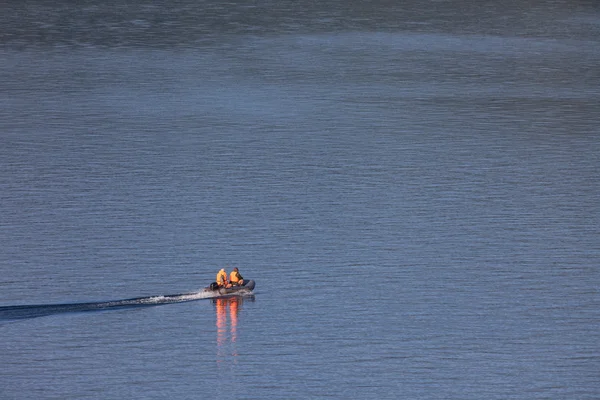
(235, 278)
(222, 281)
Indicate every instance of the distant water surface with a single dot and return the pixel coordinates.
(413, 187)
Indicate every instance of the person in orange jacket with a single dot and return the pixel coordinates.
(235, 278)
(222, 279)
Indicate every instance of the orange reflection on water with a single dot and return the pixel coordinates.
(227, 332)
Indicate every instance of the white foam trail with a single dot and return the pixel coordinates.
(40, 310)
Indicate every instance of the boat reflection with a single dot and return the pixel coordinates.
(227, 327)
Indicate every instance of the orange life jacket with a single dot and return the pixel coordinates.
(235, 277)
(222, 278)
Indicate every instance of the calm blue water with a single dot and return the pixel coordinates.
(413, 187)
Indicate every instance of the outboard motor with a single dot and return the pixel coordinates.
(214, 286)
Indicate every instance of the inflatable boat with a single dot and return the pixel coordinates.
(241, 290)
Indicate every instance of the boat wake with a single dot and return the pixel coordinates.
(8, 313)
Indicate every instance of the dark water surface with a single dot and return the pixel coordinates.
(414, 187)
